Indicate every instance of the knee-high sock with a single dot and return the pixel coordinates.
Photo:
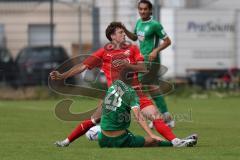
(81, 129)
(161, 104)
(165, 144)
(163, 129)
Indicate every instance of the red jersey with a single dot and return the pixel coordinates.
(110, 61)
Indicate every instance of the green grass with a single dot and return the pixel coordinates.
(28, 130)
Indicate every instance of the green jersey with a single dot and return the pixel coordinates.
(149, 32)
(119, 101)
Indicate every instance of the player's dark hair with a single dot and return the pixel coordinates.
(111, 29)
(150, 6)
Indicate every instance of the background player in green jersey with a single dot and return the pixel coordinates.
(148, 32)
(115, 120)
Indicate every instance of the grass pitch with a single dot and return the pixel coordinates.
(28, 130)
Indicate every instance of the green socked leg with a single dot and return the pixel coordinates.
(161, 104)
(165, 144)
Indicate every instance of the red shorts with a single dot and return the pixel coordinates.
(143, 99)
(144, 102)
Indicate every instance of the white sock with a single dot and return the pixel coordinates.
(176, 141)
(66, 141)
(166, 114)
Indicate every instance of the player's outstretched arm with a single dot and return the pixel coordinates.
(55, 75)
(142, 122)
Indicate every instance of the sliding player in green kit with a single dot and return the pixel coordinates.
(115, 120)
(149, 31)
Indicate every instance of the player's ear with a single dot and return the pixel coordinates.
(112, 36)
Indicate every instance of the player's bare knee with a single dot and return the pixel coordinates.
(154, 115)
(151, 112)
(96, 117)
(95, 120)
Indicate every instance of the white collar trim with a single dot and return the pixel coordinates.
(147, 20)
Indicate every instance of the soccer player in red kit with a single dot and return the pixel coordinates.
(112, 59)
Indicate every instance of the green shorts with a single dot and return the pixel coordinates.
(125, 140)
